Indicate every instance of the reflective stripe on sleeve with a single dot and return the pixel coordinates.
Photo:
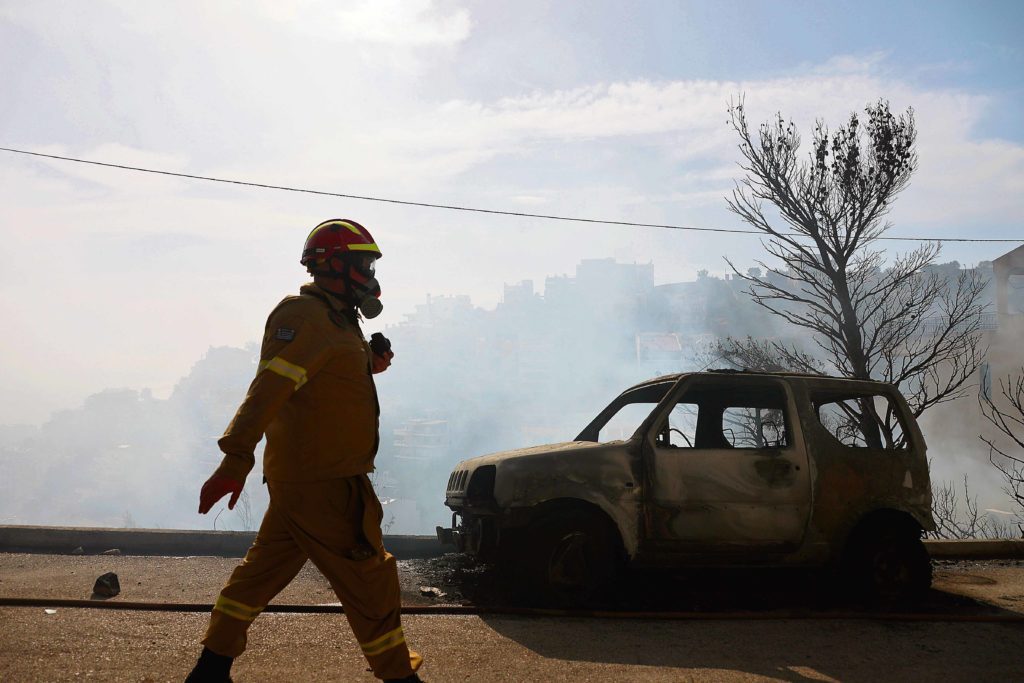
(236, 609)
(384, 643)
(288, 370)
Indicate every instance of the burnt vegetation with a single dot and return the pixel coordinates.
(957, 516)
(1005, 413)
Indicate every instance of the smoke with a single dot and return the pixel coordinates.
(465, 381)
(125, 458)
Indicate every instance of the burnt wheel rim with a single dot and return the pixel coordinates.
(568, 566)
(891, 572)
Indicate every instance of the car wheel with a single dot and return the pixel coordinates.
(574, 555)
(892, 567)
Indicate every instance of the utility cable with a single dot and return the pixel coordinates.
(452, 207)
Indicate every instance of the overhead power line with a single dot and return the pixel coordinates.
(452, 207)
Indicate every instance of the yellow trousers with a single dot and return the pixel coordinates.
(336, 524)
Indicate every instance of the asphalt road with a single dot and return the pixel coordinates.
(114, 645)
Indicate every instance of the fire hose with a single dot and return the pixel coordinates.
(480, 610)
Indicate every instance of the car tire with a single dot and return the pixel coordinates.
(572, 556)
(891, 567)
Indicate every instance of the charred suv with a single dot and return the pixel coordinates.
(711, 469)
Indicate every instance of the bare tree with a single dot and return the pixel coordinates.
(959, 520)
(127, 521)
(1007, 454)
(898, 322)
(244, 512)
(763, 355)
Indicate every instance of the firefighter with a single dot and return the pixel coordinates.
(314, 398)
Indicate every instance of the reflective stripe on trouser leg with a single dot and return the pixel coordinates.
(236, 609)
(270, 564)
(326, 519)
(390, 653)
(385, 642)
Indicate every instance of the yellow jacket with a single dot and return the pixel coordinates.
(313, 396)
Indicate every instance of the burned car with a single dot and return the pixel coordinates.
(712, 469)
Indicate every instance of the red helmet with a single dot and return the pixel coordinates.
(336, 237)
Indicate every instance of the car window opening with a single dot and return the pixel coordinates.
(861, 420)
(709, 417)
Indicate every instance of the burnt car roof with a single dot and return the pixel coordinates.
(751, 373)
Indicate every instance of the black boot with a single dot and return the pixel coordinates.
(211, 668)
(408, 679)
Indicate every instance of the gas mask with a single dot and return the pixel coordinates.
(363, 290)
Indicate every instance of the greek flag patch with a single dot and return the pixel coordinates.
(284, 334)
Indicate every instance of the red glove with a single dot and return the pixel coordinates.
(382, 363)
(215, 488)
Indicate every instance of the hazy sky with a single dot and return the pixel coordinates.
(600, 109)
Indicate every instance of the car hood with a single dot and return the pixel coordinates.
(532, 451)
